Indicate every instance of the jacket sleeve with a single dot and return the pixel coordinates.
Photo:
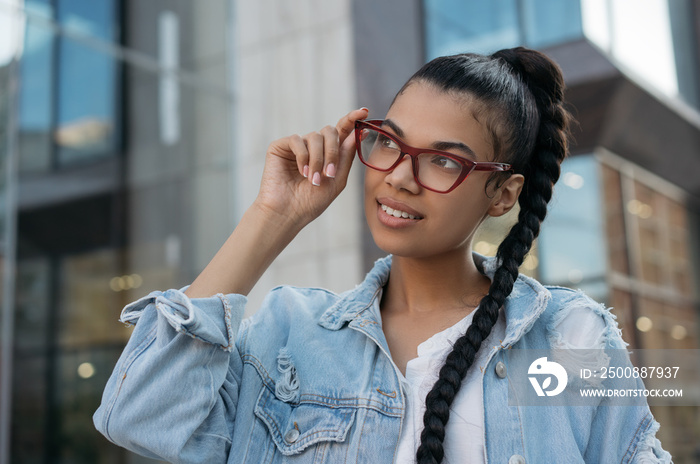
(173, 393)
(626, 431)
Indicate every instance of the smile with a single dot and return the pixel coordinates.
(397, 213)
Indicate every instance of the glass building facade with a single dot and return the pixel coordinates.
(454, 26)
(661, 29)
(121, 129)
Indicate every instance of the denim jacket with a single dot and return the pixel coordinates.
(309, 379)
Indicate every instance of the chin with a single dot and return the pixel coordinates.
(397, 250)
(404, 247)
(416, 247)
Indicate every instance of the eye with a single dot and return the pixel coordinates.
(445, 163)
(386, 142)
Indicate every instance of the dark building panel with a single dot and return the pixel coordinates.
(388, 49)
(72, 227)
(45, 189)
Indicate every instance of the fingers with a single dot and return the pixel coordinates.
(322, 155)
(315, 146)
(325, 153)
(298, 147)
(347, 123)
(331, 150)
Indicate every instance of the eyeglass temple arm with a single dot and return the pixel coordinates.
(487, 166)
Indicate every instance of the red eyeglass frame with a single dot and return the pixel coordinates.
(467, 165)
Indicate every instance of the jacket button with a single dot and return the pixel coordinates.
(291, 436)
(501, 372)
(516, 459)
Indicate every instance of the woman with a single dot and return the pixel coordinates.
(404, 367)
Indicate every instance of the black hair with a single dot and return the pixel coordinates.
(518, 94)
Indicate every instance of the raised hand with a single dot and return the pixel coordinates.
(303, 175)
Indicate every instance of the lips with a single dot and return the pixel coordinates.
(398, 209)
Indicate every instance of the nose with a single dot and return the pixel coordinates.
(401, 178)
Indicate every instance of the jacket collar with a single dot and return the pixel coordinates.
(351, 303)
(523, 306)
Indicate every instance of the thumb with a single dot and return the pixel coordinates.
(346, 155)
(347, 123)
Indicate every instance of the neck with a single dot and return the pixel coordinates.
(445, 283)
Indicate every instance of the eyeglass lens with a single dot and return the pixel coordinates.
(435, 171)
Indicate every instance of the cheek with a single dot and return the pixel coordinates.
(462, 216)
(370, 183)
(372, 177)
(372, 180)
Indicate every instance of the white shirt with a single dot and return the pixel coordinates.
(464, 435)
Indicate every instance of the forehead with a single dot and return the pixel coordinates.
(428, 115)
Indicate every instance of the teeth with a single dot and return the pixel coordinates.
(396, 213)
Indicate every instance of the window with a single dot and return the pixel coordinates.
(87, 83)
(454, 26)
(547, 22)
(572, 244)
(70, 88)
(36, 92)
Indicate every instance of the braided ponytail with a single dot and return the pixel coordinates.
(521, 92)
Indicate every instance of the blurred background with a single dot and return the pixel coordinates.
(133, 134)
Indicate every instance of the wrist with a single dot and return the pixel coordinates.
(284, 222)
(257, 240)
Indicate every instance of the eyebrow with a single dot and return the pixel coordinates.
(441, 145)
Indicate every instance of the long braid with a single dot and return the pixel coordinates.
(541, 170)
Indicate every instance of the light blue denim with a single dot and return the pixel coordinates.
(309, 379)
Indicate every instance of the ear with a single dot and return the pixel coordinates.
(506, 196)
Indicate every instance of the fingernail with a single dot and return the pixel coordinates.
(365, 108)
(330, 170)
(316, 180)
(305, 171)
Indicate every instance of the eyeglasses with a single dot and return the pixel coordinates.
(435, 170)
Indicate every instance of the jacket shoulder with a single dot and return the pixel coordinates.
(575, 320)
(288, 305)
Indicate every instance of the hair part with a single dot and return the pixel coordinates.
(519, 97)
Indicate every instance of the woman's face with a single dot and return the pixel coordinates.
(424, 116)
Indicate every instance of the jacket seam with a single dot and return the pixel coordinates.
(272, 422)
(213, 394)
(307, 398)
(258, 366)
(643, 425)
(362, 433)
(319, 457)
(353, 308)
(148, 340)
(346, 399)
